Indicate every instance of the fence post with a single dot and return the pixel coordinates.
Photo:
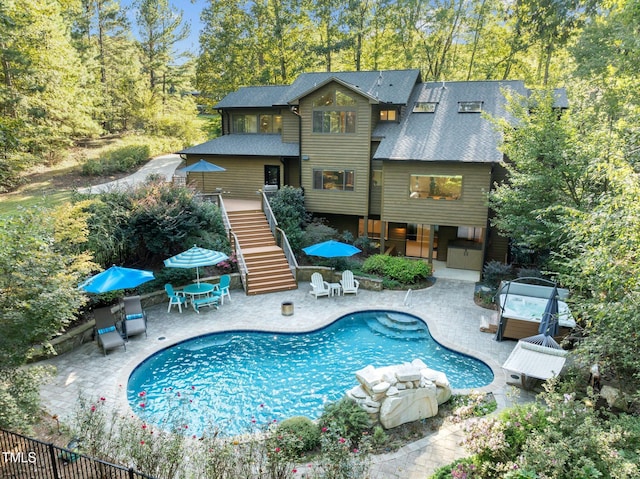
(54, 461)
(131, 473)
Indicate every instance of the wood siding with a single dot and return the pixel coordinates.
(290, 127)
(375, 193)
(469, 210)
(336, 152)
(244, 175)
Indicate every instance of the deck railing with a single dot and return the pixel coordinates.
(26, 457)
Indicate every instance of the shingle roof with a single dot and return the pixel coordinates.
(388, 86)
(255, 97)
(245, 145)
(447, 135)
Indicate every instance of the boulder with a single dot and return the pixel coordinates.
(369, 377)
(397, 410)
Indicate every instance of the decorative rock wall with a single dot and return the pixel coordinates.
(395, 395)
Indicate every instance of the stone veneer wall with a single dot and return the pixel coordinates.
(395, 395)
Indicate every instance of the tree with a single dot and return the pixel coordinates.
(160, 27)
(42, 260)
(550, 173)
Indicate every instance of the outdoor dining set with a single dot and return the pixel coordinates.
(113, 332)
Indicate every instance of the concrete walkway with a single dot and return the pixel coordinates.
(164, 165)
(447, 307)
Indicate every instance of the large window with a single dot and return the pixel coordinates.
(437, 187)
(334, 112)
(333, 180)
(265, 123)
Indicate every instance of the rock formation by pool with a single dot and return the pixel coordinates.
(395, 395)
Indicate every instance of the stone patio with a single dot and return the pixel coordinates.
(447, 307)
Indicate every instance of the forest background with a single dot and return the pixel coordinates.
(78, 69)
(72, 71)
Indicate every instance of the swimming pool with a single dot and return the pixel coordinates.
(235, 380)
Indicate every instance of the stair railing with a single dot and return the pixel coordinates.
(223, 213)
(280, 236)
(408, 298)
(283, 242)
(242, 265)
(271, 219)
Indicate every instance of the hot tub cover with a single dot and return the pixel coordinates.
(535, 361)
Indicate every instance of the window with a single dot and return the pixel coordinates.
(265, 123)
(388, 115)
(437, 187)
(424, 107)
(333, 180)
(245, 124)
(470, 233)
(334, 112)
(374, 228)
(469, 107)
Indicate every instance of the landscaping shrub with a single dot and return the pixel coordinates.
(494, 272)
(287, 205)
(397, 268)
(296, 435)
(118, 160)
(346, 419)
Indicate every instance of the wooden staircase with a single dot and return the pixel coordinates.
(268, 267)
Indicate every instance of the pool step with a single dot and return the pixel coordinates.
(398, 326)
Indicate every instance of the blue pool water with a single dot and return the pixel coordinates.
(238, 380)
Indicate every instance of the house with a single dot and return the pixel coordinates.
(379, 153)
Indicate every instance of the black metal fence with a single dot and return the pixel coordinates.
(22, 457)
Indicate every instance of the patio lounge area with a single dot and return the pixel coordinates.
(447, 308)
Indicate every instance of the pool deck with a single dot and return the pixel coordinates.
(447, 307)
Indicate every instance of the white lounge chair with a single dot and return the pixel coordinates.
(319, 286)
(349, 283)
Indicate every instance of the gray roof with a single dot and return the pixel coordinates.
(447, 135)
(388, 86)
(255, 97)
(244, 145)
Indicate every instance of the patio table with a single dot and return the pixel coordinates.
(196, 290)
(335, 289)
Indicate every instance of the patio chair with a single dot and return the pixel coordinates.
(349, 283)
(135, 318)
(106, 333)
(319, 286)
(176, 298)
(222, 288)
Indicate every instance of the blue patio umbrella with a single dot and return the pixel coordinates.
(548, 324)
(203, 167)
(331, 249)
(116, 278)
(194, 258)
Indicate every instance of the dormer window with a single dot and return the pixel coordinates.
(389, 115)
(424, 107)
(469, 106)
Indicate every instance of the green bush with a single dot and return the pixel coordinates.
(494, 272)
(396, 268)
(119, 160)
(296, 435)
(346, 419)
